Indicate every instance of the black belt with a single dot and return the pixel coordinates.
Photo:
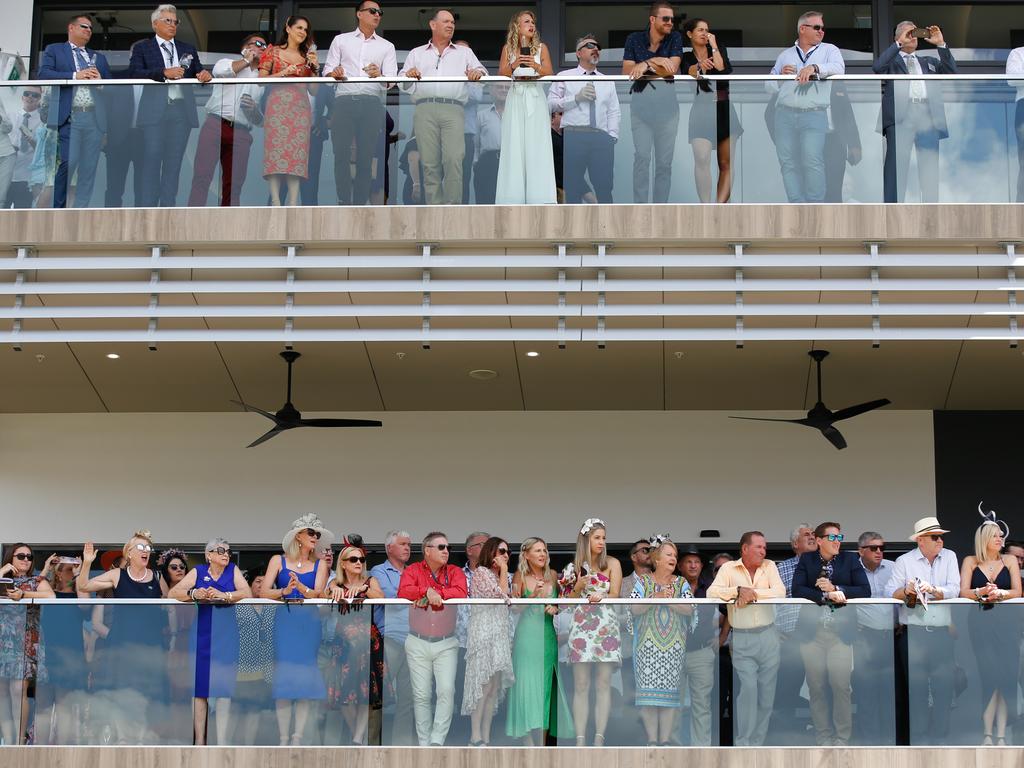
(435, 100)
(83, 109)
(753, 630)
(430, 638)
(233, 123)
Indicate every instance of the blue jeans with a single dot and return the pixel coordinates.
(800, 145)
(80, 143)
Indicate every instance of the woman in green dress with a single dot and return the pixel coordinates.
(534, 708)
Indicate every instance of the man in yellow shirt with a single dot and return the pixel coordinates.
(755, 641)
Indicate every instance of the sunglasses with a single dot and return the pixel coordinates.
(220, 551)
(589, 46)
(175, 567)
(442, 547)
(172, 22)
(933, 537)
(143, 548)
(374, 11)
(258, 43)
(355, 559)
(644, 550)
(31, 95)
(502, 551)
(85, 26)
(815, 27)
(313, 532)
(834, 536)
(22, 556)
(665, 19)
(874, 547)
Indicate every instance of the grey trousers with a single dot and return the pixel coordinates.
(655, 127)
(401, 731)
(699, 677)
(755, 666)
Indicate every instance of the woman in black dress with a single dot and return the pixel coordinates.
(713, 121)
(990, 577)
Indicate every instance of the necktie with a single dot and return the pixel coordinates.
(80, 57)
(917, 89)
(24, 146)
(593, 107)
(169, 53)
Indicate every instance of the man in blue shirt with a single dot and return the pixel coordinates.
(654, 114)
(801, 109)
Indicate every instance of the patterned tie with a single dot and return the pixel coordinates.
(24, 146)
(169, 53)
(81, 58)
(593, 106)
(917, 89)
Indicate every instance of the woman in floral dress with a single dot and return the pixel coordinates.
(594, 646)
(288, 116)
(488, 642)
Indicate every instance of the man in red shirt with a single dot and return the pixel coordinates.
(431, 649)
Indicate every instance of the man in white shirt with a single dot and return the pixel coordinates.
(1015, 67)
(226, 135)
(929, 573)
(439, 120)
(358, 110)
(913, 113)
(25, 122)
(873, 669)
(590, 125)
(801, 109)
(488, 125)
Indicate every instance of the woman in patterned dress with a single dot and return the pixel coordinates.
(21, 655)
(660, 642)
(594, 646)
(288, 116)
(488, 642)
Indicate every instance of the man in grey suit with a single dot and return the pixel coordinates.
(913, 113)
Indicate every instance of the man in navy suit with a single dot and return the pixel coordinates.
(80, 117)
(828, 577)
(913, 113)
(166, 115)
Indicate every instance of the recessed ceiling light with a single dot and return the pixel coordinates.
(483, 374)
(113, 355)
(531, 353)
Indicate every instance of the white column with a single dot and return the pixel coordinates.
(16, 30)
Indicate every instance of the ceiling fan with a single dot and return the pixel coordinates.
(820, 417)
(289, 417)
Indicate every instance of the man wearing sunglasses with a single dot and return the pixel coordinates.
(232, 111)
(431, 647)
(829, 577)
(873, 649)
(801, 109)
(925, 646)
(23, 139)
(590, 126)
(80, 117)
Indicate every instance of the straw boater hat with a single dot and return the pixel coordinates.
(308, 520)
(925, 526)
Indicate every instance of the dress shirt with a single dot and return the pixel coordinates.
(942, 572)
(878, 616)
(1015, 66)
(638, 46)
(453, 61)
(391, 620)
(786, 615)
(917, 90)
(174, 92)
(469, 117)
(353, 51)
(22, 146)
(766, 582)
(815, 94)
(562, 98)
(224, 98)
(449, 582)
(489, 130)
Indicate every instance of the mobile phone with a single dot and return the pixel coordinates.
(5, 584)
(525, 50)
(921, 32)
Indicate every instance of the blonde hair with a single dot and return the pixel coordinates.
(143, 534)
(657, 552)
(985, 533)
(339, 573)
(583, 551)
(512, 38)
(524, 567)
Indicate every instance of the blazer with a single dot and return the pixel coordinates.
(148, 63)
(847, 575)
(59, 64)
(892, 63)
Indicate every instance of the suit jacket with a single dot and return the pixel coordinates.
(148, 63)
(892, 63)
(59, 64)
(847, 575)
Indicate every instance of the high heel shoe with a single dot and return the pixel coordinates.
(987, 741)
(598, 739)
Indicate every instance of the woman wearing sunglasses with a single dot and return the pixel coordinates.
(355, 673)
(21, 656)
(216, 584)
(488, 642)
(292, 577)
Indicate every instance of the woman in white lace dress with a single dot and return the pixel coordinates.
(488, 642)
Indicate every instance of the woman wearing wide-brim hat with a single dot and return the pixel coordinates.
(294, 576)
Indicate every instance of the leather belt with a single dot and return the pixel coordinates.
(436, 100)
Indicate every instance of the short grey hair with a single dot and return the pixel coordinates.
(389, 539)
(433, 536)
(215, 542)
(477, 535)
(901, 25)
(795, 533)
(162, 9)
(583, 38)
(807, 16)
(867, 536)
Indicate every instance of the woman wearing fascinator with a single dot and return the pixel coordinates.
(988, 577)
(594, 646)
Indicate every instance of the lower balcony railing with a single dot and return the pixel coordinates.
(541, 672)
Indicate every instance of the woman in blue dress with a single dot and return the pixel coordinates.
(292, 577)
(216, 584)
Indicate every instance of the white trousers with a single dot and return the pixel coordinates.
(432, 667)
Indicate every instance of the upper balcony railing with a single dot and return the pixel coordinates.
(741, 138)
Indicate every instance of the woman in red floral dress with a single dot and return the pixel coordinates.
(288, 115)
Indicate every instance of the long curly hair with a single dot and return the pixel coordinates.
(512, 38)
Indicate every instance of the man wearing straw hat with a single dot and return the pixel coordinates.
(919, 578)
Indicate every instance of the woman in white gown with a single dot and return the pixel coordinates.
(526, 171)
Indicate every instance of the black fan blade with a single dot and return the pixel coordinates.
(833, 436)
(260, 411)
(857, 410)
(339, 423)
(266, 436)
(783, 421)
